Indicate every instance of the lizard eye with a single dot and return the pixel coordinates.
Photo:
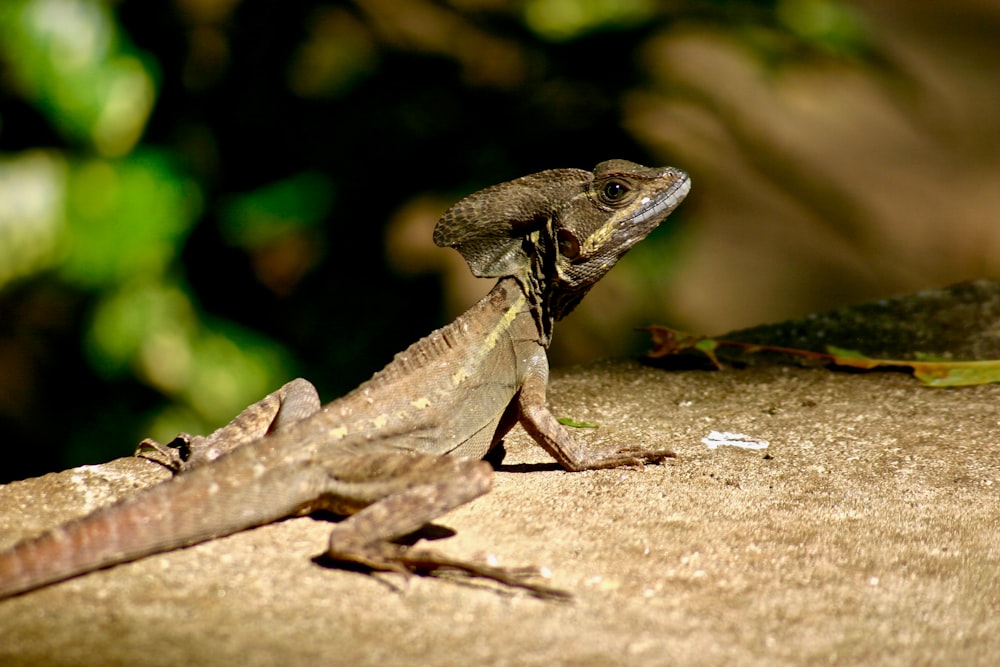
(614, 191)
(569, 245)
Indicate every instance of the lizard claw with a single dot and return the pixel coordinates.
(643, 456)
(626, 456)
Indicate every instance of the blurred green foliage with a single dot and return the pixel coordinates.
(72, 61)
(191, 190)
(263, 216)
(562, 20)
(125, 218)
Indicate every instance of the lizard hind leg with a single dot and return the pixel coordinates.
(432, 486)
(294, 401)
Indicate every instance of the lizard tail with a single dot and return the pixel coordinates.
(189, 509)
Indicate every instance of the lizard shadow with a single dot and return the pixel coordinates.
(496, 456)
(528, 467)
(429, 532)
(464, 574)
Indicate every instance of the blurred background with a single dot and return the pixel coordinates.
(201, 199)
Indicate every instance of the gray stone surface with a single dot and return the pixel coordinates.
(866, 533)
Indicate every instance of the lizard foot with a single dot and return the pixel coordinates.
(626, 456)
(182, 453)
(173, 456)
(642, 456)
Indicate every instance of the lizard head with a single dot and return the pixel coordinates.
(559, 231)
(623, 203)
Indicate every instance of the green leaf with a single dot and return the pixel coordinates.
(572, 423)
(844, 353)
(957, 373)
(707, 345)
(944, 373)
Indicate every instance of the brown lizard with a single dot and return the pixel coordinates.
(378, 454)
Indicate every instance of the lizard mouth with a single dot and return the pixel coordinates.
(653, 210)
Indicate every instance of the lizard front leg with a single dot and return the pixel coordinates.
(428, 486)
(294, 401)
(543, 427)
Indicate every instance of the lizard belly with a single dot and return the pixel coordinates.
(463, 423)
(449, 392)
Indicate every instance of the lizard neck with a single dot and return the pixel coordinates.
(538, 301)
(550, 298)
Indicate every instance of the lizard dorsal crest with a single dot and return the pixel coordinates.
(489, 226)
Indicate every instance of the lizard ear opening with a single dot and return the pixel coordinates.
(569, 245)
(488, 227)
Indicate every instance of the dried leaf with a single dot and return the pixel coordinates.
(937, 373)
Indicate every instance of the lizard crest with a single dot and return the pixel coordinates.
(559, 231)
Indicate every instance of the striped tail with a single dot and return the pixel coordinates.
(186, 510)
